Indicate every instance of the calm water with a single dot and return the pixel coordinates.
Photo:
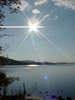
(53, 79)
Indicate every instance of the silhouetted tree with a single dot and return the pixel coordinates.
(3, 49)
(69, 98)
(0, 49)
(5, 81)
(3, 4)
(7, 3)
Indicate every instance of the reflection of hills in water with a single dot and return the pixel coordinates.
(8, 61)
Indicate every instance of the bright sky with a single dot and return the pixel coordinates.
(55, 41)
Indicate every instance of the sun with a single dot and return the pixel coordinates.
(33, 27)
(33, 24)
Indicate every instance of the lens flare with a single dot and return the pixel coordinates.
(45, 77)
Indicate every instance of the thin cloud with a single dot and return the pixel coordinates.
(40, 2)
(65, 3)
(24, 4)
(48, 15)
(44, 17)
(35, 11)
(54, 19)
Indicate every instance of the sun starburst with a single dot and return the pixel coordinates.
(34, 25)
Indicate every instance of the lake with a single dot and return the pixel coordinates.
(54, 79)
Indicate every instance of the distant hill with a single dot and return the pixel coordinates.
(8, 61)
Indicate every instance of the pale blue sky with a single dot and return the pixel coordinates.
(59, 28)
